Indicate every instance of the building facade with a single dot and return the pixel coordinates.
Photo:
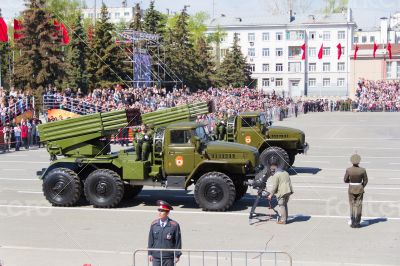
(273, 48)
(116, 14)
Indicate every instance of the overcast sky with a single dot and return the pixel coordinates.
(366, 12)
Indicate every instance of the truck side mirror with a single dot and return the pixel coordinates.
(195, 140)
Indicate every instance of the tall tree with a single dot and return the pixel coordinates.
(204, 64)
(154, 21)
(197, 26)
(335, 6)
(77, 75)
(106, 65)
(136, 22)
(180, 51)
(65, 11)
(41, 61)
(234, 70)
(215, 38)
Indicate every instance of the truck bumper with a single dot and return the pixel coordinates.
(41, 172)
(304, 148)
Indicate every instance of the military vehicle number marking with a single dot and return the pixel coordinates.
(179, 161)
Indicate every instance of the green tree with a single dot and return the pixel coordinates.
(335, 6)
(154, 21)
(197, 26)
(65, 11)
(204, 66)
(77, 75)
(215, 38)
(106, 65)
(234, 70)
(180, 52)
(136, 23)
(40, 63)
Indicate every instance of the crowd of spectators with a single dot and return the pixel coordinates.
(13, 103)
(381, 95)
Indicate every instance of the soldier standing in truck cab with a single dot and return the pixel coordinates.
(357, 178)
(165, 233)
(143, 143)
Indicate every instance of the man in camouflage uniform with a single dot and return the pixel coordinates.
(143, 143)
(357, 178)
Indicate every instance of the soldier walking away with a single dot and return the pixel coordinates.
(282, 189)
(164, 233)
(357, 178)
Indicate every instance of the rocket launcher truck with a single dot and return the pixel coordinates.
(182, 154)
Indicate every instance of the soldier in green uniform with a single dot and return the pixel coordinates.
(220, 128)
(143, 143)
(357, 178)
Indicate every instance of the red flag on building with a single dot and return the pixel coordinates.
(303, 47)
(58, 28)
(17, 27)
(389, 48)
(339, 51)
(3, 31)
(65, 35)
(320, 53)
(375, 48)
(355, 52)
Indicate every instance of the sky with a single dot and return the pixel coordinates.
(366, 12)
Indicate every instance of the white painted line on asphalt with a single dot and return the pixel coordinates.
(174, 212)
(12, 169)
(30, 192)
(375, 139)
(301, 161)
(394, 163)
(345, 156)
(345, 187)
(19, 179)
(368, 169)
(16, 155)
(67, 250)
(395, 178)
(24, 162)
(352, 148)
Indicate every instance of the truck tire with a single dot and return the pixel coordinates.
(214, 191)
(131, 192)
(241, 189)
(104, 188)
(275, 153)
(62, 187)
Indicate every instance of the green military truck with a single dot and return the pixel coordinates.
(83, 165)
(277, 143)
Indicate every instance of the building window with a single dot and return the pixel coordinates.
(327, 36)
(312, 82)
(364, 39)
(340, 82)
(252, 67)
(312, 35)
(372, 39)
(294, 67)
(312, 67)
(223, 52)
(326, 51)
(265, 67)
(389, 70)
(251, 52)
(279, 67)
(355, 39)
(343, 50)
(90, 15)
(312, 52)
(117, 15)
(326, 67)
(294, 51)
(265, 36)
(265, 82)
(251, 37)
(341, 35)
(279, 52)
(340, 67)
(279, 82)
(126, 14)
(326, 82)
(265, 51)
(279, 36)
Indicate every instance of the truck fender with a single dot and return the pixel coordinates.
(200, 166)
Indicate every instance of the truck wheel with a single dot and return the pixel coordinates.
(104, 188)
(131, 191)
(277, 154)
(214, 191)
(241, 189)
(62, 187)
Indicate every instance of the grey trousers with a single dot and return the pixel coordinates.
(355, 201)
(283, 208)
(165, 262)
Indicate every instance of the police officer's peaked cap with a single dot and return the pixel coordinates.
(163, 205)
(355, 159)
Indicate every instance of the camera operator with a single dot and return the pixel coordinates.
(282, 189)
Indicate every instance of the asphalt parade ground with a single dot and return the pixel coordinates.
(34, 233)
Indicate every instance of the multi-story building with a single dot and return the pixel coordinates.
(273, 48)
(116, 14)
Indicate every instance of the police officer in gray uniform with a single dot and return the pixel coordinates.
(357, 178)
(164, 233)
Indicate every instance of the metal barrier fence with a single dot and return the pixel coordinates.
(22, 105)
(194, 257)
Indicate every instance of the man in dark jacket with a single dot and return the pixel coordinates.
(164, 233)
(357, 178)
